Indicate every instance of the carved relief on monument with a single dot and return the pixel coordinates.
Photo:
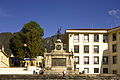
(58, 61)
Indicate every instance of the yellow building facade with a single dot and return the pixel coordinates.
(114, 50)
(4, 59)
(33, 62)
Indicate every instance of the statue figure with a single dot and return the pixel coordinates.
(59, 33)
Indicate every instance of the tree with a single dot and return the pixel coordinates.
(31, 35)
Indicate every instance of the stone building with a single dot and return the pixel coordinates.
(96, 51)
(114, 50)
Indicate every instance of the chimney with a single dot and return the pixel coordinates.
(3, 48)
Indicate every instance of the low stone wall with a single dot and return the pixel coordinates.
(12, 71)
(59, 77)
(19, 71)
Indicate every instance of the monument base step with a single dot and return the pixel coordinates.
(60, 72)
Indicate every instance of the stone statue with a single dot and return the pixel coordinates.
(59, 33)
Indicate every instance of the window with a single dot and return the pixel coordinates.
(86, 70)
(86, 60)
(36, 63)
(105, 59)
(40, 63)
(96, 70)
(96, 37)
(76, 38)
(24, 63)
(86, 38)
(105, 70)
(76, 49)
(114, 37)
(76, 59)
(114, 72)
(86, 49)
(96, 49)
(77, 69)
(105, 38)
(114, 59)
(114, 48)
(27, 63)
(96, 60)
(31, 63)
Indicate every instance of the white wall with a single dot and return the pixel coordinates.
(102, 46)
(14, 71)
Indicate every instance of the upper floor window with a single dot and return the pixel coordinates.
(86, 60)
(114, 47)
(96, 37)
(114, 59)
(114, 36)
(76, 59)
(86, 49)
(96, 49)
(96, 60)
(86, 37)
(105, 59)
(76, 38)
(105, 38)
(76, 49)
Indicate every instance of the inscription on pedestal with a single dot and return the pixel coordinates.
(58, 61)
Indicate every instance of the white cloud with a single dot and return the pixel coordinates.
(115, 13)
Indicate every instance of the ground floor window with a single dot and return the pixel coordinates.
(77, 69)
(114, 72)
(96, 70)
(86, 70)
(105, 70)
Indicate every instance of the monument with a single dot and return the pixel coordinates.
(58, 60)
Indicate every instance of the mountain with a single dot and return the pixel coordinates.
(4, 41)
(49, 42)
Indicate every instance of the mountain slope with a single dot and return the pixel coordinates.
(4, 40)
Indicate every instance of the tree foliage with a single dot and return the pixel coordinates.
(31, 35)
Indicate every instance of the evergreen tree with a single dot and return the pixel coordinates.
(28, 42)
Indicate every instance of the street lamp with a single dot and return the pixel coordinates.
(25, 45)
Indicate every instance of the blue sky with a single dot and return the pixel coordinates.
(51, 14)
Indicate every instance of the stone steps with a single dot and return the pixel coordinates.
(57, 77)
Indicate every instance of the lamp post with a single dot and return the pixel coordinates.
(25, 45)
